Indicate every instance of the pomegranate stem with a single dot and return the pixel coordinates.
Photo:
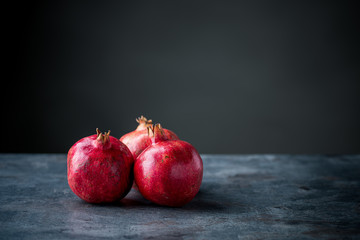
(103, 138)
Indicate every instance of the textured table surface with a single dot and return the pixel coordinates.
(241, 197)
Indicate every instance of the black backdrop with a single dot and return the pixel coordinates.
(227, 76)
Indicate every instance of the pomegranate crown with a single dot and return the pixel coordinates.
(102, 137)
(156, 133)
(143, 123)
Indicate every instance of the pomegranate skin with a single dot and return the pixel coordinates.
(138, 140)
(100, 171)
(169, 173)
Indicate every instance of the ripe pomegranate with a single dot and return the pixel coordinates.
(139, 139)
(100, 168)
(169, 172)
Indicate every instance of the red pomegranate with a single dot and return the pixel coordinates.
(139, 139)
(169, 172)
(100, 168)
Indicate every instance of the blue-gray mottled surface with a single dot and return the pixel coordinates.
(242, 197)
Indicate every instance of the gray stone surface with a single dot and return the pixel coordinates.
(242, 197)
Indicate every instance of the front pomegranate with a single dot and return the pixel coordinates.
(100, 168)
(169, 172)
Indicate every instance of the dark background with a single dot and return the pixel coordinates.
(227, 76)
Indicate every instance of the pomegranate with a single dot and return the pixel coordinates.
(100, 168)
(169, 172)
(139, 139)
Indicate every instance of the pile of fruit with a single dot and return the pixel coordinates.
(152, 159)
